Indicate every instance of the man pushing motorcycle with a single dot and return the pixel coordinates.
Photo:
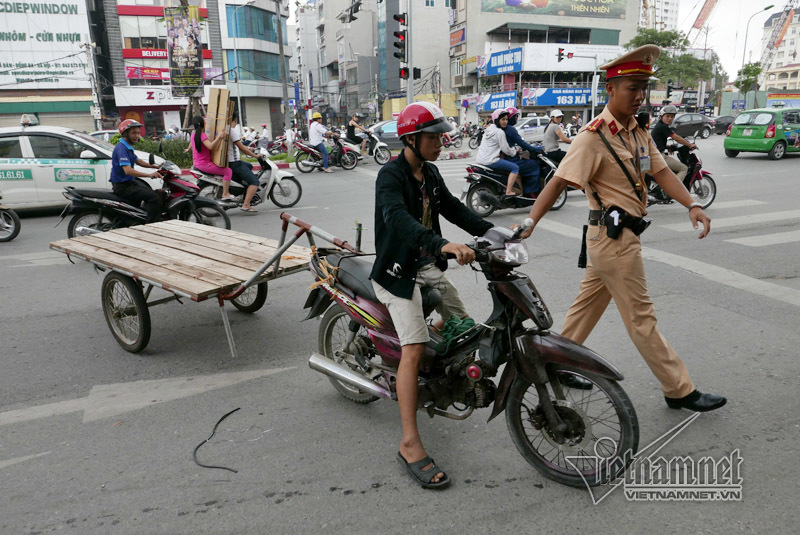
(410, 194)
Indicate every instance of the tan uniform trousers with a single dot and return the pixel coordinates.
(616, 270)
(676, 166)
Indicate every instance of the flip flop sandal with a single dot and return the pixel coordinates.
(249, 210)
(424, 477)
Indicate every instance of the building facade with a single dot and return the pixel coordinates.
(661, 15)
(784, 69)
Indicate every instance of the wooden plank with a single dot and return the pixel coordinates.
(200, 250)
(224, 114)
(198, 289)
(156, 254)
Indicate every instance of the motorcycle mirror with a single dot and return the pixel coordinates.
(152, 159)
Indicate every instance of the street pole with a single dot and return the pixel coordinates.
(409, 55)
(91, 49)
(284, 78)
(744, 51)
(236, 56)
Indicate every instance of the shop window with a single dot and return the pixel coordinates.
(10, 147)
(254, 23)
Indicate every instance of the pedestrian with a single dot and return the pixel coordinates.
(608, 160)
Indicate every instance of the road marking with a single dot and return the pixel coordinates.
(768, 239)
(48, 258)
(738, 221)
(292, 209)
(10, 462)
(707, 271)
(105, 401)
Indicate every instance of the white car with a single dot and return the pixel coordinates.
(38, 162)
(532, 128)
(105, 135)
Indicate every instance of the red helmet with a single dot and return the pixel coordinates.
(422, 117)
(127, 124)
(512, 112)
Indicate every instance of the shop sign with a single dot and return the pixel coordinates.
(458, 37)
(504, 62)
(150, 96)
(466, 61)
(557, 96)
(606, 9)
(495, 101)
(146, 73)
(40, 45)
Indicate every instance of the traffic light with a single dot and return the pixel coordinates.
(564, 55)
(417, 73)
(669, 88)
(401, 45)
(401, 18)
(404, 73)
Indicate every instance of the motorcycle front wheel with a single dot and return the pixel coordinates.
(287, 192)
(473, 142)
(349, 160)
(457, 143)
(333, 335)
(479, 205)
(9, 224)
(561, 200)
(602, 433)
(92, 219)
(303, 162)
(704, 191)
(213, 216)
(382, 155)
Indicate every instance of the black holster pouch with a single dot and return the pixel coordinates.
(616, 219)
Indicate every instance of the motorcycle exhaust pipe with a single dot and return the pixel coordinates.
(86, 231)
(342, 373)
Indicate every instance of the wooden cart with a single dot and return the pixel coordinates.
(190, 261)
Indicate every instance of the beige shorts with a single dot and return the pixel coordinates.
(407, 314)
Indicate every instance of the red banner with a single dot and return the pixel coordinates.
(789, 20)
(154, 53)
(146, 73)
(702, 17)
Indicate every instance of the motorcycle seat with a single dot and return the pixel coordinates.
(489, 172)
(99, 194)
(354, 272)
(203, 173)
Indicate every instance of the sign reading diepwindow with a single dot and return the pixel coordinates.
(16, 174)
(74, 175)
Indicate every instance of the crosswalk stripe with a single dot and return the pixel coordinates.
(768, 239)
(735, 204)
(725, 222)
(708, 271)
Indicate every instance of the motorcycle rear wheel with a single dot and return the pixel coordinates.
(478, 206)
(333, 332)
(457, 143)
(213, 216)
(349, 160)
(126, 312)
(9, 224)
(382, 155)
(593, 430)
(302, 163)
(561, 200)
(473, 142)
(93, 219)
(704, 191)
(288, 198)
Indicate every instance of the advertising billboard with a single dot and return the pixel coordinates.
(607, 9)
(40, 45)
(561, 96)
(543, 57)
(495, 101)
(184, 50)
(504, 62)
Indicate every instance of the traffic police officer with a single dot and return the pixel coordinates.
(608, 160)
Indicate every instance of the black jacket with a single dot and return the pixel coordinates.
(399, 234)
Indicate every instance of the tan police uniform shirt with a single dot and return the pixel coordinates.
(589, 161)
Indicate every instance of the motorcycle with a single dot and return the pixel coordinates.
(10, 224)
(485, 189)
(698, 181)
(308, 158)
(277, 146)
(455, 141)
(99, 210)
(551, 420)
(378, 149)
(281, 187)
(476, 138)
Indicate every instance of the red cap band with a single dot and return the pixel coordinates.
(631, 68)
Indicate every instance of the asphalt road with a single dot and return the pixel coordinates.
(97, 440)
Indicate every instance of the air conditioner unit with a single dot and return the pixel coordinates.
(458, 80)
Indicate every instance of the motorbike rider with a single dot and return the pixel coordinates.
(354, 138)
(552, 135)
(201, 154)
(410, 195)
(123, 175)
(662, 131)
(494, 145)
(616, 269)
(316, 138)
(265, 132)
(528, 168)
(242, 171)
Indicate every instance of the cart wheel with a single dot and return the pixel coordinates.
(252, 299)
(126, 312)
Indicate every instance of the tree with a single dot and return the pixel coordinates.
(747, 77)
(674, 63)
(665, 39)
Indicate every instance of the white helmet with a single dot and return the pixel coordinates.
(556, 113)
(669, 109)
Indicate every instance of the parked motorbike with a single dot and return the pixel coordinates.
(455, 141)
(10, 224)
(100, 210)
(548, 420)
(308, 158)
(279, 186)
(485, 189)
(476, 138)
(698, 181)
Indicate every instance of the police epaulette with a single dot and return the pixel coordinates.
(594, 125)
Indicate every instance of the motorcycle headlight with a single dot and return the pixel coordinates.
(514, 253)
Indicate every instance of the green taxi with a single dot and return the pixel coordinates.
(775, 131)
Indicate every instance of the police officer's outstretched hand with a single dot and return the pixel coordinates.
(464, 255)
(697, 215)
